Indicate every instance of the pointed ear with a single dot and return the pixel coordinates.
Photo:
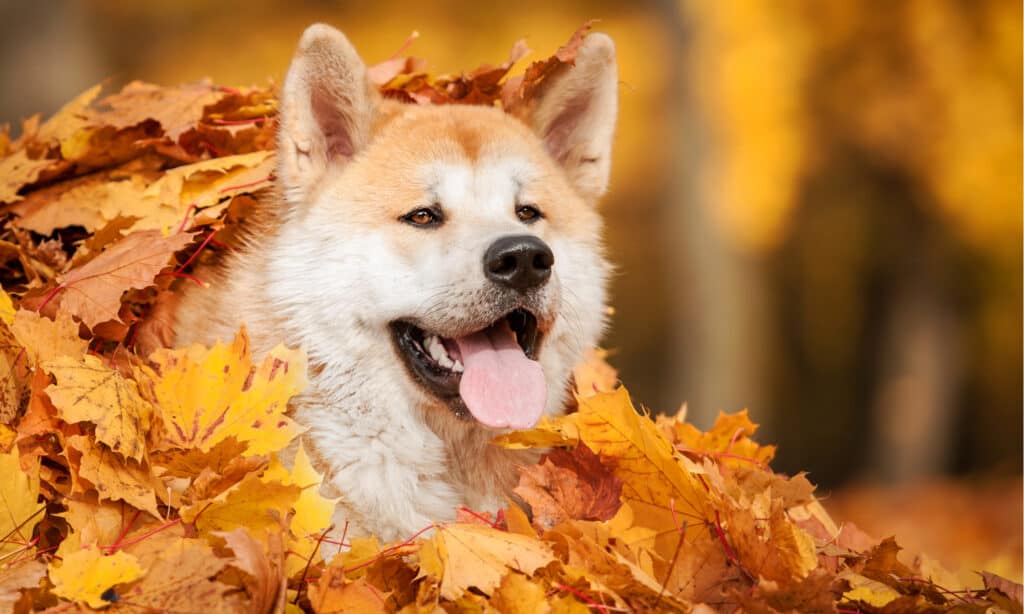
(327, 110)
(575, 115)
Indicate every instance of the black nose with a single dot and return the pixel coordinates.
(519, 261)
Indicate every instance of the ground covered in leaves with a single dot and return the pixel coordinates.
(134, 477)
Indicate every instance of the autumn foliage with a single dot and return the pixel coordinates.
(135, 477)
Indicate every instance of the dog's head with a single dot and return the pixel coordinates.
(464, 236)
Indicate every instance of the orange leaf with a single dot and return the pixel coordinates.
(93, 291)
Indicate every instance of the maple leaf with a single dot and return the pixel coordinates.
(257, 505)
(729, 439)
(114, 477)
(464, 556)
(569, 485)
(201, 186)
(12, 376)
(18, 170)
(262, 563)
(333, 595)
(312, 511)
(68, 120)
(204, 396)
(89, 202)
(23, 574)
(176, 109)
(45, 339)
(93, 291)
(89, 391)
(178, 579)
(6, 308)
(19, 509)
(85, 575)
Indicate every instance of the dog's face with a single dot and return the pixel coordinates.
(463, 239)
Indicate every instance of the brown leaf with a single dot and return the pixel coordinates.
(517, 93)
(1011, 589)
(93, 291)
(176, 109)
(16, 171)
(180, 578)
(262, 563)
(569, 485)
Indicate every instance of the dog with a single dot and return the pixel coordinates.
(442, 267)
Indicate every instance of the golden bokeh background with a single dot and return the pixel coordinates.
(815, 205)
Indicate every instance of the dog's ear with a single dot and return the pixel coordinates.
(327, 110)
(574, 114)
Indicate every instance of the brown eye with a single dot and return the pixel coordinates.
(424, 218)
(528, 213)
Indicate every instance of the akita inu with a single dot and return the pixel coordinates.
(442, 267)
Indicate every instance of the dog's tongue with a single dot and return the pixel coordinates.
(500, 385)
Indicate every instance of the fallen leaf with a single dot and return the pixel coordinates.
(45, 339)
(15, 577)
(866, 590)
(84, 576)
(18, 170)
(87, 390)
(176, 109)
(180, 578)
(205, 396)
(115, 478)
(93, 291)
(464, 556)
(20, 510)
(6, 307)
(569, 486)
(266, 582)
(252, 503)
(332, 594)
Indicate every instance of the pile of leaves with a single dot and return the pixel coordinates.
(135, 477)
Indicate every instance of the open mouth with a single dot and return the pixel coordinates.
(492, 373)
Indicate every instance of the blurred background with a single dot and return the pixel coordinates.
(815, 210)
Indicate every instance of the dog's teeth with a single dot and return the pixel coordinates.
(436, 349)
(457, 367)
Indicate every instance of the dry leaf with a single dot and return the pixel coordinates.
(205, 396)
(569, 485)
(93, 291)
(84, 576)
(16, 171)
(464, 556)
(89, 391)
(45, 339)
(19, 509)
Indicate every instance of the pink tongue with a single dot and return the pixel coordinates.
(501, 386)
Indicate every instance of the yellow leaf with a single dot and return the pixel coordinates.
(114, 477)
(89, 391)
(869, 591)
(45, 339)
(19, 510)
(207, 395)
(203, 185)
(518, 595)
(313, 512)
(84, 576)
(728, 440)
(253, 504)
(6, 307)
(654, 483)
(465, 555)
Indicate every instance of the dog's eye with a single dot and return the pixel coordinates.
(528, 213)
(424, 218)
